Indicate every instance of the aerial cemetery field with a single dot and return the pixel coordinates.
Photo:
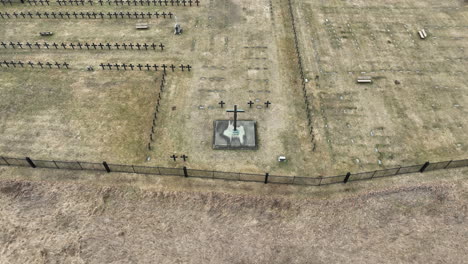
(238, 51)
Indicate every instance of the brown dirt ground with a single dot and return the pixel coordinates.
(50, 216)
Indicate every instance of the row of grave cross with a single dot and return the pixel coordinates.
(184, 157)
(128, 2)
(82, 46)
(40, 64)
(250, 103)
(147, 66)
(116, 2)
(86, 14)
(156, 110)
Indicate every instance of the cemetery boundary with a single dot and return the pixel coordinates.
(233, 176)
(301, 71)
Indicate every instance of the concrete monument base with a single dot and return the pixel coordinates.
(224, 136)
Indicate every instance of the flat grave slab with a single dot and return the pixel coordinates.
(224, 136)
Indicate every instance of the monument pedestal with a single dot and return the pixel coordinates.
(225, 137)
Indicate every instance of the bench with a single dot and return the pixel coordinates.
(364, 79)
(44, 34)
(142, 26)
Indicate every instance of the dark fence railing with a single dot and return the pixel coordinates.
(233, 176)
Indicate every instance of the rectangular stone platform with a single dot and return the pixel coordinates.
(224, 136)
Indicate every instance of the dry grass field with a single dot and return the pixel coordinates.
(241, 51)
(53, 216)
(415, 110)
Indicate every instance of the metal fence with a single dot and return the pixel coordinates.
(232, 176)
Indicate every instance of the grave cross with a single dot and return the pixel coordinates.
(72, 45)
(155, 67)
(152, 45)
(55, 45)
(12, 45)
(49, 64)
(147, 67)
(31, 64)
(250, 103)
(64, 46)
(38, 45)
(66, 65)
(57, 64)
(138, 45)
(161, 46)
(102, 65)
(108, 45)
(184, 157)
(117, 66)
(117, 45)
(197, 2)
(235, 111)
(80, 45)
(170, 14)
(20, 45)
(145, 46)
(267, 104)
(174, 157)
(40, 64)
(100, 45)
(188, 67)
(131, 45)
(46, 45)
(182, 67)
(164, 67)
(125, 46)
(124, 66)
(109, 65)
(131, 66)
(172, 67)
(21, 64)
(139, 66)
(4, 44)
(222, 104)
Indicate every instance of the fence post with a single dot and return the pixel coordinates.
(423, 168)
(185, 172)
(106, 167)
(266, 177)
(347, 177)
(31, 163)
